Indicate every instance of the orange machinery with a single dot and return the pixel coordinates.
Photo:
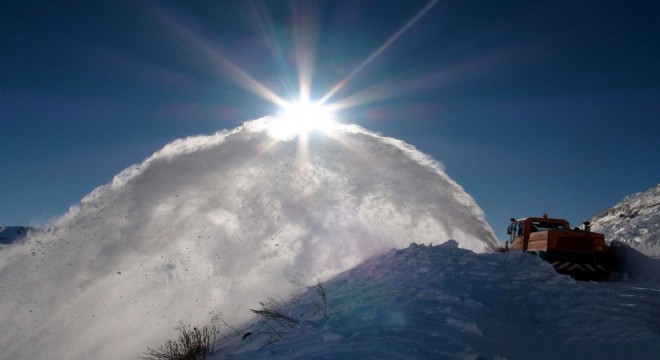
(580, 253)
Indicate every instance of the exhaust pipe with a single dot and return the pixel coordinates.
(587, 227)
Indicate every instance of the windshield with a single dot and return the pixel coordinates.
(541, 226)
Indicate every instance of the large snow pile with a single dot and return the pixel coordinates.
(215, 223)
(443, 302)
(635, 221)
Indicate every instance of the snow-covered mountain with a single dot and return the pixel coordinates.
(635, 221)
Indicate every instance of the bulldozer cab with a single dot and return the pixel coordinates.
(582, 254)
(520, 229)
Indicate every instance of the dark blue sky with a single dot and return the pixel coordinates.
(533, 106)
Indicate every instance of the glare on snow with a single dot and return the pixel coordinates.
(301, 118)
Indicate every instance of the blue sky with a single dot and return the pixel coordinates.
(533, 107)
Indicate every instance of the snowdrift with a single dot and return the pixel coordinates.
(215, 224)
(443, 302)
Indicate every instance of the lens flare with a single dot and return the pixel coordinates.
(301, 118)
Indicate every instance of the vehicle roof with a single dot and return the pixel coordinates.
(543, 219)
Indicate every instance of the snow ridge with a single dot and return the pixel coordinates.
(635, 221)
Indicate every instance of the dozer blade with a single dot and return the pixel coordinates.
(580, 266)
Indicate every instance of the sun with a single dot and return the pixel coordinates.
(301, 118)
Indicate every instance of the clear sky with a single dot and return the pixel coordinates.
(533, 107)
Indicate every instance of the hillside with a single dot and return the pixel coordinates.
(635, 221)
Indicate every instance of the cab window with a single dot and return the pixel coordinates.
(542, 226)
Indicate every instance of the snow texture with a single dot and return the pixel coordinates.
(443, 302)
(635, 222)
(215, 224)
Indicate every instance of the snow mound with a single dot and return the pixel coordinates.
(443, 302)
(214, 223)
(635, 221)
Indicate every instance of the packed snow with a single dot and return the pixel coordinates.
(214, 224)
(634, 221)
(443, 302)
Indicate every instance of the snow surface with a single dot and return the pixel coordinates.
(443, 302)
(215, 224)
(635, 221)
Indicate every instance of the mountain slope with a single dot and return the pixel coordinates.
(634, 221)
